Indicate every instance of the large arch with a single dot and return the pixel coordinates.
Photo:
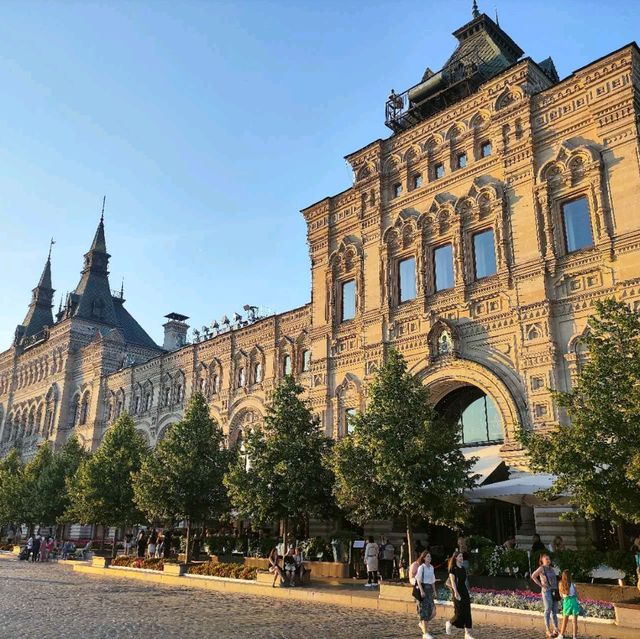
(444, 377)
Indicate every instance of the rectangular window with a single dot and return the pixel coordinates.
(461, 160)
(348, 300)
(577, 225)
(397, 189)
(486, 149)
(443, 266)
(407, 279)
(484, 254)
(349, 414)
(438, 170)
(417, 180)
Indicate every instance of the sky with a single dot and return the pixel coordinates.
(210, 125)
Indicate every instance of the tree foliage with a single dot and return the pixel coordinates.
(182, 477)
(596, 457)
(13, 497)
(286, 477)
(402, 460)
(101, 491)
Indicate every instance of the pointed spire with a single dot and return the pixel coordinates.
(497, 19)
(474, 10)
(39, 313)
(99, 243)
(122, 289)
(45, 278)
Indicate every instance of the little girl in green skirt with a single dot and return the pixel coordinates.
(570, 604)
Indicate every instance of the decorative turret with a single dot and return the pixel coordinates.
(39, 314)
(92, 298)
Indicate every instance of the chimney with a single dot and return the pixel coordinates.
(175, 331)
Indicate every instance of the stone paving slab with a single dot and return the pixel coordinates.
(45, 601)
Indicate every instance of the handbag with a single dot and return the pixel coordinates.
(416, 594)
(555, 594)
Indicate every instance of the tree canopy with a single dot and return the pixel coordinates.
(596, 456)
(282, 474)
(182, 477)
(101, 491)
(402, 460)
(13, 497)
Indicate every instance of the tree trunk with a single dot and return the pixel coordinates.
(114, 548)
(622, 542)
(285, 532)
(104, 534)
(410, 539)
(187, 553)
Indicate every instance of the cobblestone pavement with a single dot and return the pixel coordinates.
(49, 601)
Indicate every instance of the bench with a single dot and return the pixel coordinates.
(265, 577)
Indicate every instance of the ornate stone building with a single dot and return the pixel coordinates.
(475, 240)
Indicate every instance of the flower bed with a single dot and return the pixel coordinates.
(137, 562)
(527, 600)
(215, 569)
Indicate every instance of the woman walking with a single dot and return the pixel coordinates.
(545, 578)
(426, 583)
(141, 543)
(570, 605)
(461, 599)
(371, 553)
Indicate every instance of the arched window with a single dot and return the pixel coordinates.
(203, 385)
(306, 360)
(136, 404)
(215, 384)
(73, 413)
(167, 396)
(178, 393)
(242, 377)
(84, 408)
(148, 399)
(286, 365)
(257, 373)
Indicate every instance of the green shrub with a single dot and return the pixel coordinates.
(579, 563)
(261, 547)
(624, 561)
(138, 562)
(231, 571)
(317, 548)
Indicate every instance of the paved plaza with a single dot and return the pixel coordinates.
(50, 601)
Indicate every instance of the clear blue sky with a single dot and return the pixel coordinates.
(209, 125)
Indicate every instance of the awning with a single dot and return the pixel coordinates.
(487, 463)
(520, 489)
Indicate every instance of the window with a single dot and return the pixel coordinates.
(443, 267)
(203, 385)
(417, 180)
(438, 170)
(349, 414)
(461, 160)
(257, 373)
(242, 377)
(147, 401)
(167, 396)
(486, 149)
(397, 189)
(178, 393)
(306, 361)
(348, 300)
(136, 404)
(577, 225)
(286, 365)
(407, 279)
(215, 384)
(484, 254)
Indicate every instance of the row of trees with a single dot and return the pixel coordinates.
(402, 461)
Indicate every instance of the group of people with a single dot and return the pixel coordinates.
(39, 548)
(292, 570)
(153, 545)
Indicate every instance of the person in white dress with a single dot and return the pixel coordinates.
(371, 552)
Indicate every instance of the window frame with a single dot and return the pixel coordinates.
(438, 167)
(563, 224)
(396, 190)
(483, 146)
(399, 260)
(462, 160)
(474, 234)
(341, 286)
(448, 242)
(417, 181)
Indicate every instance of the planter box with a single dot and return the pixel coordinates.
(176, 570)
(627, 614)
(396, 592)
(265, 578)
(100, 562)
(607, 592)
(337, 570)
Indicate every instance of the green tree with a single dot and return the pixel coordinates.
(13, 497)
(402, 460)
(182, 478)
(45, 477)
(595, 457)
(283, 476)
(101, 491)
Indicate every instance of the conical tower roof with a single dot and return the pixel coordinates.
(40, 313)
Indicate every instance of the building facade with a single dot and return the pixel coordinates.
(475, 240)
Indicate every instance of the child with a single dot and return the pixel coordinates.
(290, 567)
(570, 605)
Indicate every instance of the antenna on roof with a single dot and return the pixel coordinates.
(104, 199)
(474, 10)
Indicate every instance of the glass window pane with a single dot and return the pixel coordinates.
(443, 263)
(494, 423)
(484, 254)
(348, 415)
(474, 425)
(486, 149)
(348, 300)
(417, 181)
(287, 365)
(439, 170)
(306, 360)
(407, 273)
(462, 160)
(577, 224)
(397, 190)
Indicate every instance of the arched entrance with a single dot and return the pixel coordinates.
(475, 412)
